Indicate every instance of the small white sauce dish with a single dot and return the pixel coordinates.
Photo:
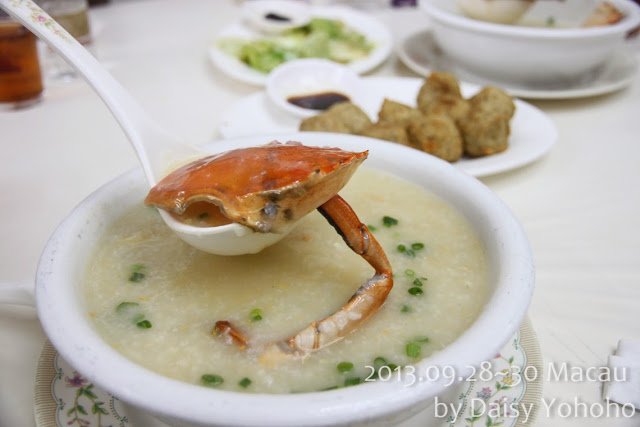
(305, 77)
(260, 15)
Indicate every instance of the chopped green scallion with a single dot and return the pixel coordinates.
(413, 349)
(255, 315)
(410, 273)
(211, 380)
(352, 381)
(379, 362)
(417, 282)
(372, 228)
(417, 246)
(344, 367)
(245, 382)
(406, 309)
(404, 250)
(389, 221)
(144, 324)
(136, 277)
(136, 273)
(415, 291)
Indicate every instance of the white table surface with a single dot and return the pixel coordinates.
(579, 205)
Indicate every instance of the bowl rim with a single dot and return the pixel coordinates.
(631, 19)
(67, 326)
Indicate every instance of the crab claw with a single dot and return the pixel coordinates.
(363, 304)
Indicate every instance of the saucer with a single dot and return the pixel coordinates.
(420, 53)
(65, 398)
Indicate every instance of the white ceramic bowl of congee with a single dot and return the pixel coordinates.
(61, 306)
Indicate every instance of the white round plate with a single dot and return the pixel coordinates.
(64, 398)
(371, 28)
(420, 53)
(532, 132)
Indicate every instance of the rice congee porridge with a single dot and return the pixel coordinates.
(155, 299)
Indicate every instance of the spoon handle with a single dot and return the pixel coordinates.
(153, 145)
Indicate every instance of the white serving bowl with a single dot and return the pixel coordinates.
(528, 54)
(310, 76)
(66, 321)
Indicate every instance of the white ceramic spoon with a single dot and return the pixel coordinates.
(157, 150)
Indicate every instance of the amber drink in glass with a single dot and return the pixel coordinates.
(20, 77)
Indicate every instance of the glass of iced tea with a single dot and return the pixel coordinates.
(20, 77)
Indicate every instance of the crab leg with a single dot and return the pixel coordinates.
(362, 304)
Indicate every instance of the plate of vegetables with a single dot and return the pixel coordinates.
(337, 33)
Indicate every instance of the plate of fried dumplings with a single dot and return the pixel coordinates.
(481, 130)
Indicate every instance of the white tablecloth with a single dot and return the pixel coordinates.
(580, 204)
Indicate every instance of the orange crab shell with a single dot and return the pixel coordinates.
(264, 188)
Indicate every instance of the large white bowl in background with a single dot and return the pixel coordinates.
(529, 54)
(66, 322)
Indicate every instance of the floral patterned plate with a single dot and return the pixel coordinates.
(495, 396)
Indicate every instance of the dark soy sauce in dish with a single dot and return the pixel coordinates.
(276, 17)
(318, 101)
